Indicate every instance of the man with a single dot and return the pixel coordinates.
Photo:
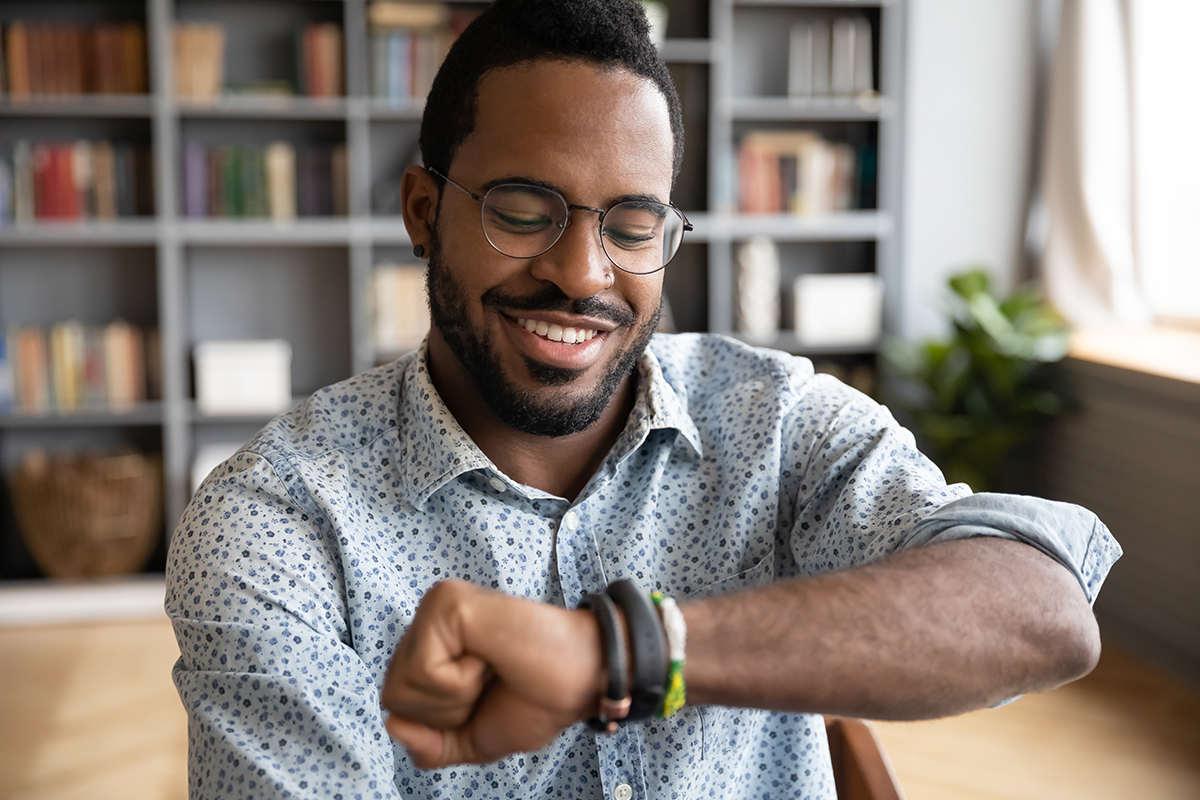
(423, 533)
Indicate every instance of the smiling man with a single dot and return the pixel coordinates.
(406, 586)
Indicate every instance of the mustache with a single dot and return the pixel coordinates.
(551, 298)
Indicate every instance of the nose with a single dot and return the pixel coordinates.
(576, 263)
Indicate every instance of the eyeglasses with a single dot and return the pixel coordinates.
(523, 221)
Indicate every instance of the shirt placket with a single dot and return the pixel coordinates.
(581, 571)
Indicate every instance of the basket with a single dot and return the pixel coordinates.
(89, 516)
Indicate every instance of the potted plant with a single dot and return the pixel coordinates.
(975, 397)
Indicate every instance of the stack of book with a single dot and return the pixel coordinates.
(278, 180)
(831, 57)
(42, 58)
(400, 316)
(319, 60)
(199, 62)
(798, 172)
(71, 367)
(408, 43)
(75, 180)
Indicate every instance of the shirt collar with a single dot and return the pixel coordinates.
(437, 450)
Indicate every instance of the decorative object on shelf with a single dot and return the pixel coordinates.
(244, 377)
(51, 58)
(838, 309)
(977, 395)
(758, 289)
(89, 516)
(657, 15)
(400, 311)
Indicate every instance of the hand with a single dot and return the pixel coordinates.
(480, 675)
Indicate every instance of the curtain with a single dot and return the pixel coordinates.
(1120, 177)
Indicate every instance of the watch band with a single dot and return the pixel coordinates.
(650, 664)
(615, 703)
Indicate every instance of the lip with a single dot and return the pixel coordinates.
(557, 354)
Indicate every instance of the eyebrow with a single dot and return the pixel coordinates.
(625, 198)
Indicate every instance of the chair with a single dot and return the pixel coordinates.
(861, 770)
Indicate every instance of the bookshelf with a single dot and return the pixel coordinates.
(308, 280)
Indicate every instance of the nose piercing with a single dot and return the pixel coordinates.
(611, 279)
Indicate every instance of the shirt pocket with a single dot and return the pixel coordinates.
(727, 730)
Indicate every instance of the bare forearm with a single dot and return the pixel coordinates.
(926, 633)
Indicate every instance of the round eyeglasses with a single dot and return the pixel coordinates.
(523, 221)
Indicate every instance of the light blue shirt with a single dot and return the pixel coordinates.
(301, 560)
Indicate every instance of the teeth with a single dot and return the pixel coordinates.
(557, 333)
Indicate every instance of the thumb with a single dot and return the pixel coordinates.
(428, 747)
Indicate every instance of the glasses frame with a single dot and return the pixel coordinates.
(687, 226)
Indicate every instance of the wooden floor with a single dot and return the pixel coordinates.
(90, 712)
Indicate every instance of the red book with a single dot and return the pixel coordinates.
(41, 181)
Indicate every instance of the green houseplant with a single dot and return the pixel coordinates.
(975, 397)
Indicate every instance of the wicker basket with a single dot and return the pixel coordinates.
(88, 516)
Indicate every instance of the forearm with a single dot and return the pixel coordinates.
(928, 632)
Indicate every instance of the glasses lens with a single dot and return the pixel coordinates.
(523, 221)
(642, 236)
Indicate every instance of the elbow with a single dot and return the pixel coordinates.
(1084, 649)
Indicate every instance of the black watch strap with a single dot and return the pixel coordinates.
(616, 701)
(649, 642)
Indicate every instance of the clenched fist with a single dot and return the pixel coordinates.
(480, 675)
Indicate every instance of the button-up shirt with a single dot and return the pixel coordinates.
(300, 563)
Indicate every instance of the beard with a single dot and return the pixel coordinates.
(555, 414)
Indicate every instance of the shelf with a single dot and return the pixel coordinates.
(143, 414)
(304, 230)
(817, 3)
(802, 108)
(267, 107)
(65, 602)
(687, 51)
(85, 105)
(196, 416)
(847, 226)
(786, 341)
(408, 110)
(137, 230)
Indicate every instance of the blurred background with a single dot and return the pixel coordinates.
(981, 213)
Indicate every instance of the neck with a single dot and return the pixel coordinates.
(560, 465)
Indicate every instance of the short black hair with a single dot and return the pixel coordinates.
(610, 33)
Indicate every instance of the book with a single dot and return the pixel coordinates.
(320, 61)
(104, 180)
(281, 180)
(400, 311)
(51, 58)
(199, 60)
(795, 172)
(408, 42)
(7, 388)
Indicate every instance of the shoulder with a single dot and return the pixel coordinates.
(711, 367)
(344, 416)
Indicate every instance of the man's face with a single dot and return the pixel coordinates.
(596, 137)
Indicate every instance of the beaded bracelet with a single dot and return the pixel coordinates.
(615, 702)
(676, 630)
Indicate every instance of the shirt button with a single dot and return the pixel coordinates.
(498, 484)
(623, 792)
(571, 520)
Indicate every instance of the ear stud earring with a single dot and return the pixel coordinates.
(419, 250)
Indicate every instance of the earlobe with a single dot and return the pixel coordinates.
(418, 196)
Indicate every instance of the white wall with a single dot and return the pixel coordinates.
(967, 140)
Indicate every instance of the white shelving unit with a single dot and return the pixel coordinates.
(307, 281)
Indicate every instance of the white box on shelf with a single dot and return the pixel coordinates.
(838, 310)
(244, 377)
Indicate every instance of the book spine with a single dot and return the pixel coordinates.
(18, 59)
(195, 181)
(281, 180)
(104, 180)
